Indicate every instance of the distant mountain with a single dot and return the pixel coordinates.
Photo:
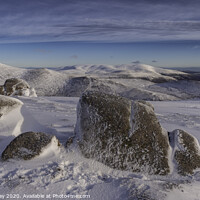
(136, 81)
(187, 69)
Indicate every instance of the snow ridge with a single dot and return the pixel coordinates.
(137, 81)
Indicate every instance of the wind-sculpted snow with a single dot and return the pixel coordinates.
(8, 104)
(121, 134)
(66, 172)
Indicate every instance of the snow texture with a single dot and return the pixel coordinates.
(69, 173)
(64, 172)
(109, 133)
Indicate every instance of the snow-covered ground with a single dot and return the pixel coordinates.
(57, 174)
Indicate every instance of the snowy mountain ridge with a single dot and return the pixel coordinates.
(136, 81)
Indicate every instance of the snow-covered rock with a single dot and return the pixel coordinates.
(7, 104)
(15, 86)
(186, 151)
(121, 134)
(28, 145)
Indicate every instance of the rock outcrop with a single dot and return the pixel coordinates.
(28, 145)
(15, 86)
(122, 134)
(186, 151)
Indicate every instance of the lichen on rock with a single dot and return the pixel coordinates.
(27, 145)
(122, 134)
(187, 152)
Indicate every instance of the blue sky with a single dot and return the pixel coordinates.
(49, 33)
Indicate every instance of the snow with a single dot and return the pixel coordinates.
(183, 115)
(137, 81)
(51, 148)
(6, 104)
(136, 70)
(58, 171)
(187, 192)
(9, 72)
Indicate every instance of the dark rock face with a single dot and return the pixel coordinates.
(149, 140)
(1, 90)
(121, 134)
(15, 84)
(187, 152)
(76, 86)
(27, 145)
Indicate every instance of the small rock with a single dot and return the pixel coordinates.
(15, 86)
(27, 145)
(187, 153)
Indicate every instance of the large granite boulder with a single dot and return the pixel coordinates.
(186, 151)
(7, 104)
(122, 134)
(28, 145)
(15, 86)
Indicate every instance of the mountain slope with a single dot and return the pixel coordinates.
(46, 82)
(137, 81)
(7, 71)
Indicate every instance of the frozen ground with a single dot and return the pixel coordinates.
(61, 173)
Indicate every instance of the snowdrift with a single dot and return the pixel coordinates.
(16, 119)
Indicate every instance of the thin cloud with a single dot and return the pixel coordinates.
(74, 57)
(196, 47)
(49, 20)
(154, 61)
(44, 51)
(136, 62)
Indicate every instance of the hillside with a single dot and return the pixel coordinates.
(9, 72)
(137, 81)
